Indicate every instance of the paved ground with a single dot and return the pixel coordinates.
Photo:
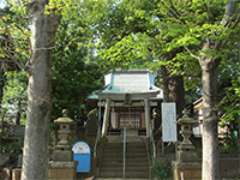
(92, 178)
(118, 179)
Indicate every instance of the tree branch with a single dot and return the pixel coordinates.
(230, 10)
(173, 12)
(191, 53)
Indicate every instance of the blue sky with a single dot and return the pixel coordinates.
(2, 3)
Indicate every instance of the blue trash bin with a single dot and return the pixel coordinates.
(82, 154)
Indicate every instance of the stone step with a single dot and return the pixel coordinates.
(128, 154)
(112, 157)
(113, 154)
(107, 164)
(127, 146)
(127, 175)
(121, 179)
(128, 160)
(136, 158)
(137, 153)
(114, 144)
(136, 150)
(132, 174)
(108, 149)
(133, 164)
(128, 164)
(120, 164)
(136, 161)
(112, 151)
(136, 145)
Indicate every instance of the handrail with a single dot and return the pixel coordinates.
(148, 156)
(97, 141)
(151, 150)
(152, 140)
(98, 132)
(124, 151)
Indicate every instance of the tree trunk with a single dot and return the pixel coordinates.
(210, 154)
(18, 114)
(2, 83)
(210, 151)
(35, 155)
(174, 90)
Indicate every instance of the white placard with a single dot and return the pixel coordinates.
(169, 124)
(81, 148)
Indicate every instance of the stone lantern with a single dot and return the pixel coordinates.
(187, 164)
(62, 150)
(62, 165)
(185, 149)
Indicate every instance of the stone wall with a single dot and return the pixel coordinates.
(229, 169)
(56, 173)
(61, 173)
(186, 171)
(5, 174)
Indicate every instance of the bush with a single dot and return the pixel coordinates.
(161, 170)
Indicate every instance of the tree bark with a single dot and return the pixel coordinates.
(174, 90)
(18, 114)
(2, 83)
(177, 92)
(210, 153)
(35, 155)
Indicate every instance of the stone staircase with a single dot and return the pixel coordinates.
(137, 165)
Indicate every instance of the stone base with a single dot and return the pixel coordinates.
(56, 171)
(186, 171)
(16, 174)
(5, 173)
(62, 170)
(61, 155)
(186, 156)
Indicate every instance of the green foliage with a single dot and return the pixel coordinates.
(162, 170)
(14, 35)
(16, 87)
(229, 105)
(15, 95)
(14, 53)
(95, 37)
(169, 34)
(131, 51)
(75, 70)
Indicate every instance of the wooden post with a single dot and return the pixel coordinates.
(147, 116)
(106, 117)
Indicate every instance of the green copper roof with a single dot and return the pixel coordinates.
(128, 82)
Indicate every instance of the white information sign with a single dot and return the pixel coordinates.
(169, 124)
(81, 148)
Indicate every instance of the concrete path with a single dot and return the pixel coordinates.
(119, 179)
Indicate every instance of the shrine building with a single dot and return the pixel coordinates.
(127, 101)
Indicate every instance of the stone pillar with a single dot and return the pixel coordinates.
(187, 165)
(62, 165)
(147, 116)
(16, 174)
(106, 117)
